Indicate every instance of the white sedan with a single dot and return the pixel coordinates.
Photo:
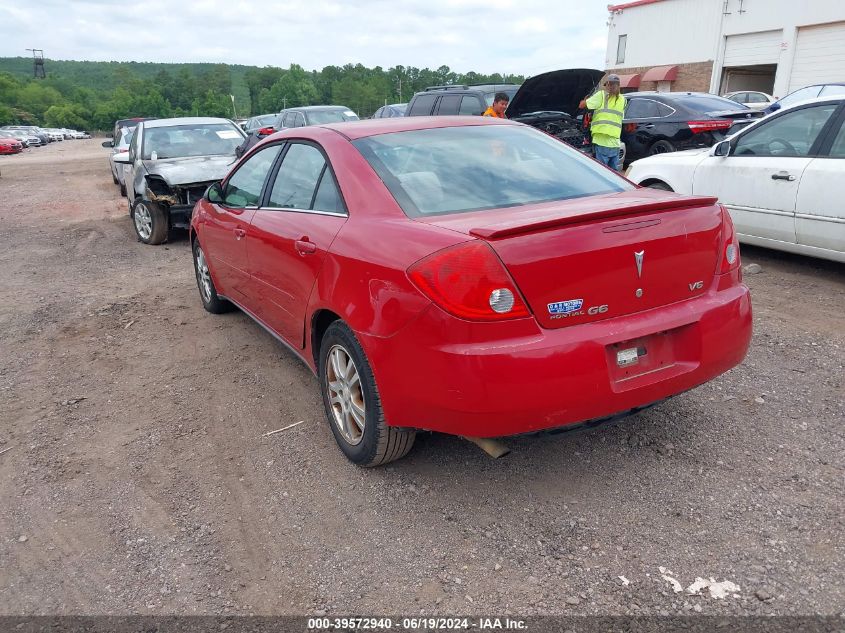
(782, 178)
(751, 98)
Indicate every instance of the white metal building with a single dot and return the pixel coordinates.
(776, 46)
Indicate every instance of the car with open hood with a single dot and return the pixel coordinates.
(171, 163)
(550, 102)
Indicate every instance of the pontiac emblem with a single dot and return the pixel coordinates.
(638, 256)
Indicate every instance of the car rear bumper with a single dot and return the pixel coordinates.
(488, 380)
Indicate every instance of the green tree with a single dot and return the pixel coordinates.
(72, 116)
(294, 88)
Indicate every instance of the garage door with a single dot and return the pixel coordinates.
(750, 49)
(819, 55)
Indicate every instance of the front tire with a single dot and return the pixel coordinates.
(208, 292)
(353, 404)
(123, 189)
(149, 221)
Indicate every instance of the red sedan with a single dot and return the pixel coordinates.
(10, 145)
(471, 276)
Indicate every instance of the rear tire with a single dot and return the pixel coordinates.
(123, 189)
(114, 178)
(661, 147)
(659, 185)
(150, 222)
(351, 398)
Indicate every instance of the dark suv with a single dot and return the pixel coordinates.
(548, 102)
(457, 99)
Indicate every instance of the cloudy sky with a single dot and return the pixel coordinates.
(509, 36)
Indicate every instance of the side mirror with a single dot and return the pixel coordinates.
(266, 131)
(214, 193)
(123, 158)
(108, 143)
(721, 149)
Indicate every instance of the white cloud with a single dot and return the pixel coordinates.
(500, 36)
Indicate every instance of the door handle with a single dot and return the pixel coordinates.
(304, 247)
(782, 175)
(239, 233)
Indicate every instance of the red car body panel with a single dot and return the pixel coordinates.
(440, 372)
(10, 146)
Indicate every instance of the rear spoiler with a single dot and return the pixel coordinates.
(636, 207)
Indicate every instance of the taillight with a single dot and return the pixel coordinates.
(729, 255)
(710, 125)
(470, 282)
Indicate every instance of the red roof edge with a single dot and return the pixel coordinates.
(628, 5)
(661, 73)
(629, 81)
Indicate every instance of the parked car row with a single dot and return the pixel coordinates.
(36, 136)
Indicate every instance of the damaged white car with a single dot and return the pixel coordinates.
(171, 162)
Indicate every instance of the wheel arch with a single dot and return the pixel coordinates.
(320, 322)
(650, 181)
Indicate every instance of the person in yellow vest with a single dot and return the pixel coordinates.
(500, 104)
(608, 108)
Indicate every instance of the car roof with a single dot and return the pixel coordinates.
(354, 130)
(654, 93)
(803, 102)
(316, 107)
(185, 120)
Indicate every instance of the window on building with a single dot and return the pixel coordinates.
(620, 49)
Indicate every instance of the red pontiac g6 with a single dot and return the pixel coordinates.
(471, 276)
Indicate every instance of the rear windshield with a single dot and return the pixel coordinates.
(709, 103)
(199, 139)
(457, 169)
(318, 117)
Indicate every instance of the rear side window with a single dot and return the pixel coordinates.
(470, 168)
(298, 177)
(422, 105)
(470, 105)
(642, 109)
(449, 104)
(327, 197)
(837, 150)
(703, 104)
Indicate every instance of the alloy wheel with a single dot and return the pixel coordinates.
(345, 395)
(143, 221)
(203, 276)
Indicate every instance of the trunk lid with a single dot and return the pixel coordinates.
(555, 91)
(605, 256)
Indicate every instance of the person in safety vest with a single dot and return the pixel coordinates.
(608, 108)
(500, 104)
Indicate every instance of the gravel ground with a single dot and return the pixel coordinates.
(136, 480)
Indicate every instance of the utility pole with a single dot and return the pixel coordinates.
(38, 62)
(235, 112)
(284, 103)
(400, 88)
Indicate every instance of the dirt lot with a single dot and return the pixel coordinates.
(135, 479)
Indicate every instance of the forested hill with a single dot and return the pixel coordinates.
(91, 95)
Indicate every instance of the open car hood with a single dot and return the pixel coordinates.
(558, 90)
(181, 171)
